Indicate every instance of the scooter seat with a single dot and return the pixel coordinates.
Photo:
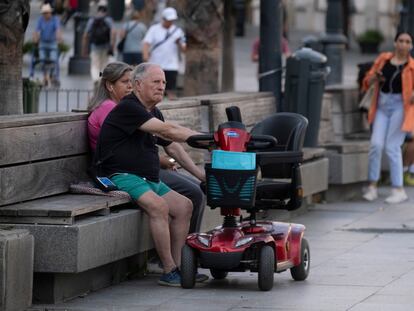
(273, 190)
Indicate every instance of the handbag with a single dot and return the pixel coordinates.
(120, 45)
(366, 100)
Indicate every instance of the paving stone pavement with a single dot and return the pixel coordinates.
(362, 258)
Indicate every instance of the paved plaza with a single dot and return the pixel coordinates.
(362, 259)
(362, 254)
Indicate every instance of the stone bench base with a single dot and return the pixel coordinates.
(90, 254)
(348, 169)
(57, 287)
(16, 269)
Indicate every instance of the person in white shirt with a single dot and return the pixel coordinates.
(162, 45)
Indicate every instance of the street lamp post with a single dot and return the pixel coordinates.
(270, 57)
(410, 22)
(77, 63)
(334, 41)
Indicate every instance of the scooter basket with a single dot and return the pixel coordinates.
(230, 188)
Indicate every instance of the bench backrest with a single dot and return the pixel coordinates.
(41, 154)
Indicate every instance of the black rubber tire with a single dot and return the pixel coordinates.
(218, 274)
(266, 268)
(301, 271)
(188, 267)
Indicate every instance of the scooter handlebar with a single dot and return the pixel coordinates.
(196, 141)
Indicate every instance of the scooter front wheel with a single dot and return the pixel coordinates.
(188, 267)
(266, 268)
(301, 271)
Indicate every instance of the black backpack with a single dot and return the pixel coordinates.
(100, 32)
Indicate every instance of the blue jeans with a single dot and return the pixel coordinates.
(49, 54)
(386, 133)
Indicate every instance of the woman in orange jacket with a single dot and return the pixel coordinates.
(391, 114)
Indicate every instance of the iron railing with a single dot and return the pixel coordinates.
(61, 100)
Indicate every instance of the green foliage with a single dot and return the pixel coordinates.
(30, 46)
(371, 36)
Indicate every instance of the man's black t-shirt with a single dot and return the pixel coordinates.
(123, 147)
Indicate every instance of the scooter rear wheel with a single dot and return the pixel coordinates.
(266, 268)
(218, 274)
(301, 271)
(188, 267)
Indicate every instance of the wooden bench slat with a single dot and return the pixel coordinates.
(61, 206)
(37, 220)
(37, 180)
(42, 142)
(8, 121)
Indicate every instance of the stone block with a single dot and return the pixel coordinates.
(90, 242)
(57, 287)
(16, 269)
(253, 109)
(345, 98)
(347, 168)
(354, 146)
(189, 113)
(348, 123)
(253, 106)
(326, 110)
(326, 133)
(342, 193)
(315, 176)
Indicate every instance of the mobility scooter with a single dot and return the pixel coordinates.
(238, 245)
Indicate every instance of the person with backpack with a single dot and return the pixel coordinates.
(99, 38)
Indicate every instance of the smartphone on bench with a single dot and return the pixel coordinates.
(105, 184)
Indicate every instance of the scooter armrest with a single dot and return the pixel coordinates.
(265, 158)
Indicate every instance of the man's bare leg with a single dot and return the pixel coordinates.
(157, 210)
(180, 210)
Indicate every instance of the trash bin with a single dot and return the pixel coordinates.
(31, 93)
(305, 83)
(312, 42)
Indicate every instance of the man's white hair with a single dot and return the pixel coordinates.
(141, 70)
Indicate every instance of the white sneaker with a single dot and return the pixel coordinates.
(397, 196)
(371, 193)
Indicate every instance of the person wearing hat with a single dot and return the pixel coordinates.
(162, 45)
(47, 35)
(99, 37)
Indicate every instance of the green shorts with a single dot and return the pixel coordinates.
(136, 186)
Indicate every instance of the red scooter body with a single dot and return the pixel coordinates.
(285, 238)
(264, 246)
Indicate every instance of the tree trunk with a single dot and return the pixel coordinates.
(203, 24)
(227, 71)
(14, 17)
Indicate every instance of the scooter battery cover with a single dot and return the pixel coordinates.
(230, 188)
(230, 160)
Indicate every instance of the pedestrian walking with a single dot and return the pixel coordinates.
(162, 45)
(99, 38)
(70, 8)
(131, 35)
(391, 114)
